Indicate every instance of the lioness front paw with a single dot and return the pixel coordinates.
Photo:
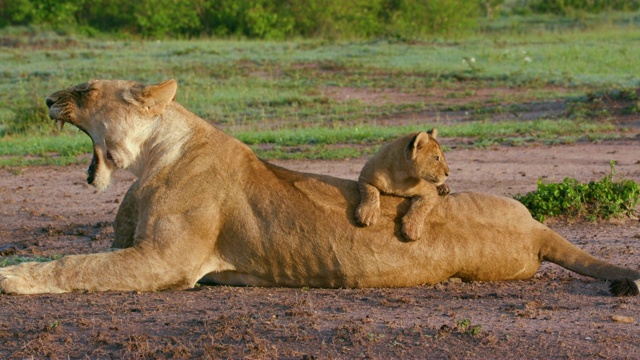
(9, 284)
(443, 189)
(367, 215)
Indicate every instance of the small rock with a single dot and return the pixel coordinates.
(623, 319)
(8, 249)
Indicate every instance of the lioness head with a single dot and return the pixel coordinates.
(426, 159)
(116, 114)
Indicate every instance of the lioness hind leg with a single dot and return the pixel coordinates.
(369, 209)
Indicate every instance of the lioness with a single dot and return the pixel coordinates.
(412, 166)
(206, 208)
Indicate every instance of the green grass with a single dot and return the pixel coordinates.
(64, 149)
(280, 95)
(15, 260)
(335, 142)
(538, 130)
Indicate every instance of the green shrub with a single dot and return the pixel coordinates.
(596, 200)
(568, 7)
(265, 19)
(16, 12)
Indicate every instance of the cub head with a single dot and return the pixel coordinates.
(425, 157)
(117, 115)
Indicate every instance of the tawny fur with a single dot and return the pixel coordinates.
(412, 166)
(206, 208)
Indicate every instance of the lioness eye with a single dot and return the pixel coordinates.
(437, 158)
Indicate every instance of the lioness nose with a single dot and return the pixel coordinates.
(49, 102)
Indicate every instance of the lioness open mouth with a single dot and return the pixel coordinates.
(91, 170)
(97, 160)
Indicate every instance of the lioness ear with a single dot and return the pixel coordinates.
(433, 132)
(419, 141)
(158, 96)
(153, 98)
(163, 92)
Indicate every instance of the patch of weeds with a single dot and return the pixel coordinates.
(601, 199)
(15, 171)
(51, 326)
(15, 259)
(581, 109)
(463, 326)
(312, 152)
(602, 103)
(467, 327)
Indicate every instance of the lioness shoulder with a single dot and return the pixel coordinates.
(411, 166)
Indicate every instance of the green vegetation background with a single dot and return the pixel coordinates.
(278, 19)
(276, 95)
(265, 70)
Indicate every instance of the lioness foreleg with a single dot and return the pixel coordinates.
(369, 209)
(126, 220)
(131, 269)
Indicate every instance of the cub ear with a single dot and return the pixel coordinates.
(418, 141)
(433, 132)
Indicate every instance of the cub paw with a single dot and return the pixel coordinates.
(443, 189)
(411, 230)
(366, 215)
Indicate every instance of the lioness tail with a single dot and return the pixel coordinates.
(558, 250)
(624, 287)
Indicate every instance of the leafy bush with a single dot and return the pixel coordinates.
(568, 7)
(266, 19)
(596, 200)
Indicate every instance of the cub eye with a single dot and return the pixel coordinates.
(437, 158)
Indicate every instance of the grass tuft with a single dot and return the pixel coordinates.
(15, 259)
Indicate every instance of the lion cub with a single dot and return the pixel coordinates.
(411, 166)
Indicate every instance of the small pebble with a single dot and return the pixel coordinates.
(623, 319)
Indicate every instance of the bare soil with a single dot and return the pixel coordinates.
(557, 314)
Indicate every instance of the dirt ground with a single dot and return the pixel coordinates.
(557, 314)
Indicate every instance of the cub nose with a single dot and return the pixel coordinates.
(49, 102)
